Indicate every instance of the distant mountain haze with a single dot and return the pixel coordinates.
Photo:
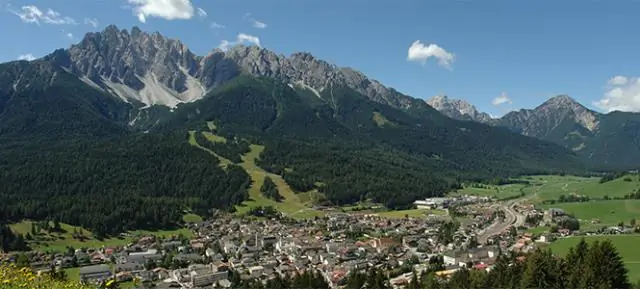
(611, 139)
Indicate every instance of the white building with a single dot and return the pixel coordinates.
(430, 203)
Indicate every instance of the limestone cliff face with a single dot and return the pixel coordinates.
(458, 109)
(557, 113)
(153, 70)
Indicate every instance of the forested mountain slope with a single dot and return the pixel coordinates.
(74, 148)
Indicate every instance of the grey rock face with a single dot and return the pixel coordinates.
(124, 57)
(558, 113)
(458, 109)
(164, 71)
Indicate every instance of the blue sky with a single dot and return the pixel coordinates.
(483, 51)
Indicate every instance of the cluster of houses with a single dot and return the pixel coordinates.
(229, 248)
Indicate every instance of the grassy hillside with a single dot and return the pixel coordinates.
(48, 241)
(291, 205)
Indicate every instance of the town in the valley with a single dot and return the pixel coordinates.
(452, 232)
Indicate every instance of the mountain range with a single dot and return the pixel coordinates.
(99, 132)
(606, 140)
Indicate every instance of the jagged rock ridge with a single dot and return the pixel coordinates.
(554, 114)
(151, 69)
(458, 109)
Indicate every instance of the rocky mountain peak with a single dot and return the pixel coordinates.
(137, 66)
(561, 101)
(152, 69)
(563, 106)
(457, 109)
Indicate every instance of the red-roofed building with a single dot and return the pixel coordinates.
(480, 266)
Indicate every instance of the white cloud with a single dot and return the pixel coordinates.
(259, 25)
(421, 53)
(623, 94)
(255, 23)
(215, 25)
(70, 36)
(165, 9)
(27, 57)
(502, 99)
(618, 80)
(33, 14)
(240, 39)
(92, 21)
(201, 12)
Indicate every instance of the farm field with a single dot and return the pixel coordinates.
(498, 192)
(609, 212)
(626, 245)
(58, 242)
(551, 187)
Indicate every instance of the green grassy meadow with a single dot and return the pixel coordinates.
(292, 205)
(58, 242)
(626, 245)
(192, 141)
(609, 212)
(551, 187)
(498, 192)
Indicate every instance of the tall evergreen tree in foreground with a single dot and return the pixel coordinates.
(597, 265)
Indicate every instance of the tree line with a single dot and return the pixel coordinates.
(111, 186)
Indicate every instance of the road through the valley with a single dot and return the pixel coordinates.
(512, 218)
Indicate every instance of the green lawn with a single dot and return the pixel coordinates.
(538, 230)
(191, 218)
(608, 212)
(73, 274)
(57, 242)
(626, 245)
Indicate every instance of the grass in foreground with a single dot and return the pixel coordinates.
(626, 245)
(12, 277)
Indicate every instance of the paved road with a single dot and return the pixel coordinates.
(511, 218)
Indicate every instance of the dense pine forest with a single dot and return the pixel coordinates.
(110, 186)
